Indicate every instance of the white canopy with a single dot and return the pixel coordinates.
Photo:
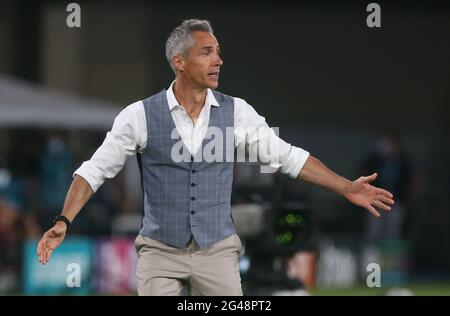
(26, 105)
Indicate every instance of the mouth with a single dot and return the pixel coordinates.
(214, 75)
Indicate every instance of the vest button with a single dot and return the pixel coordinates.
(193, 184)
(192, 212)
(192, 198)
(194, 171)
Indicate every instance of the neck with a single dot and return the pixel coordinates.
(192, 99)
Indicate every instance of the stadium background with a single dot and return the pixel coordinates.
(334, 87)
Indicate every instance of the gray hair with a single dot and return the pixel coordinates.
(180, 40)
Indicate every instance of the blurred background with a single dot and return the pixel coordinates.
(360, 99)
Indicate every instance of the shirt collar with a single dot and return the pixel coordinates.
(172, 101)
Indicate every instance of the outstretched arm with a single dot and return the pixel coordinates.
(77, 196)
(129, 132)
(358, 192)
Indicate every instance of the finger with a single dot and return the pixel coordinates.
(384, 192)
(44, 247)
(370, 178)
(49, 255)
(46, 250)
(385, 200)
(372, 210)
(50, 250)
(41, 254)
(383, 206)
(39, 248)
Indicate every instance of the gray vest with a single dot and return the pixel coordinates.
(188, 198)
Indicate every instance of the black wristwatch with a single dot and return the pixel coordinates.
(63, 219)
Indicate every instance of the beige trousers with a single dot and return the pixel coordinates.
(165, 270)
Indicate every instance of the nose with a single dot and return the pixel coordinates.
(219, 61)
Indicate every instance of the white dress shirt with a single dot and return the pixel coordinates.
(128, 136)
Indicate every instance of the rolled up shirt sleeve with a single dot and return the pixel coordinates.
(261, 141)
(127, 136)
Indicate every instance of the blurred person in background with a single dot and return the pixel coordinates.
(386, 242)
(392, 163)
(54, 176)
(187, 234)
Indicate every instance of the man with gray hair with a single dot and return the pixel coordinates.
(188, 235)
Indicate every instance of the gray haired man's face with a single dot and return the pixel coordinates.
(202, 64)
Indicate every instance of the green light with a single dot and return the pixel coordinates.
(285, 238)
(290, 219)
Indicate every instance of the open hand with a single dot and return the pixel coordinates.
(361, 193)
(50, 240)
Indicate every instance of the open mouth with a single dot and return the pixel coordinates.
(214, 75)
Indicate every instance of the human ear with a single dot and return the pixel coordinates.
(178, 62)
